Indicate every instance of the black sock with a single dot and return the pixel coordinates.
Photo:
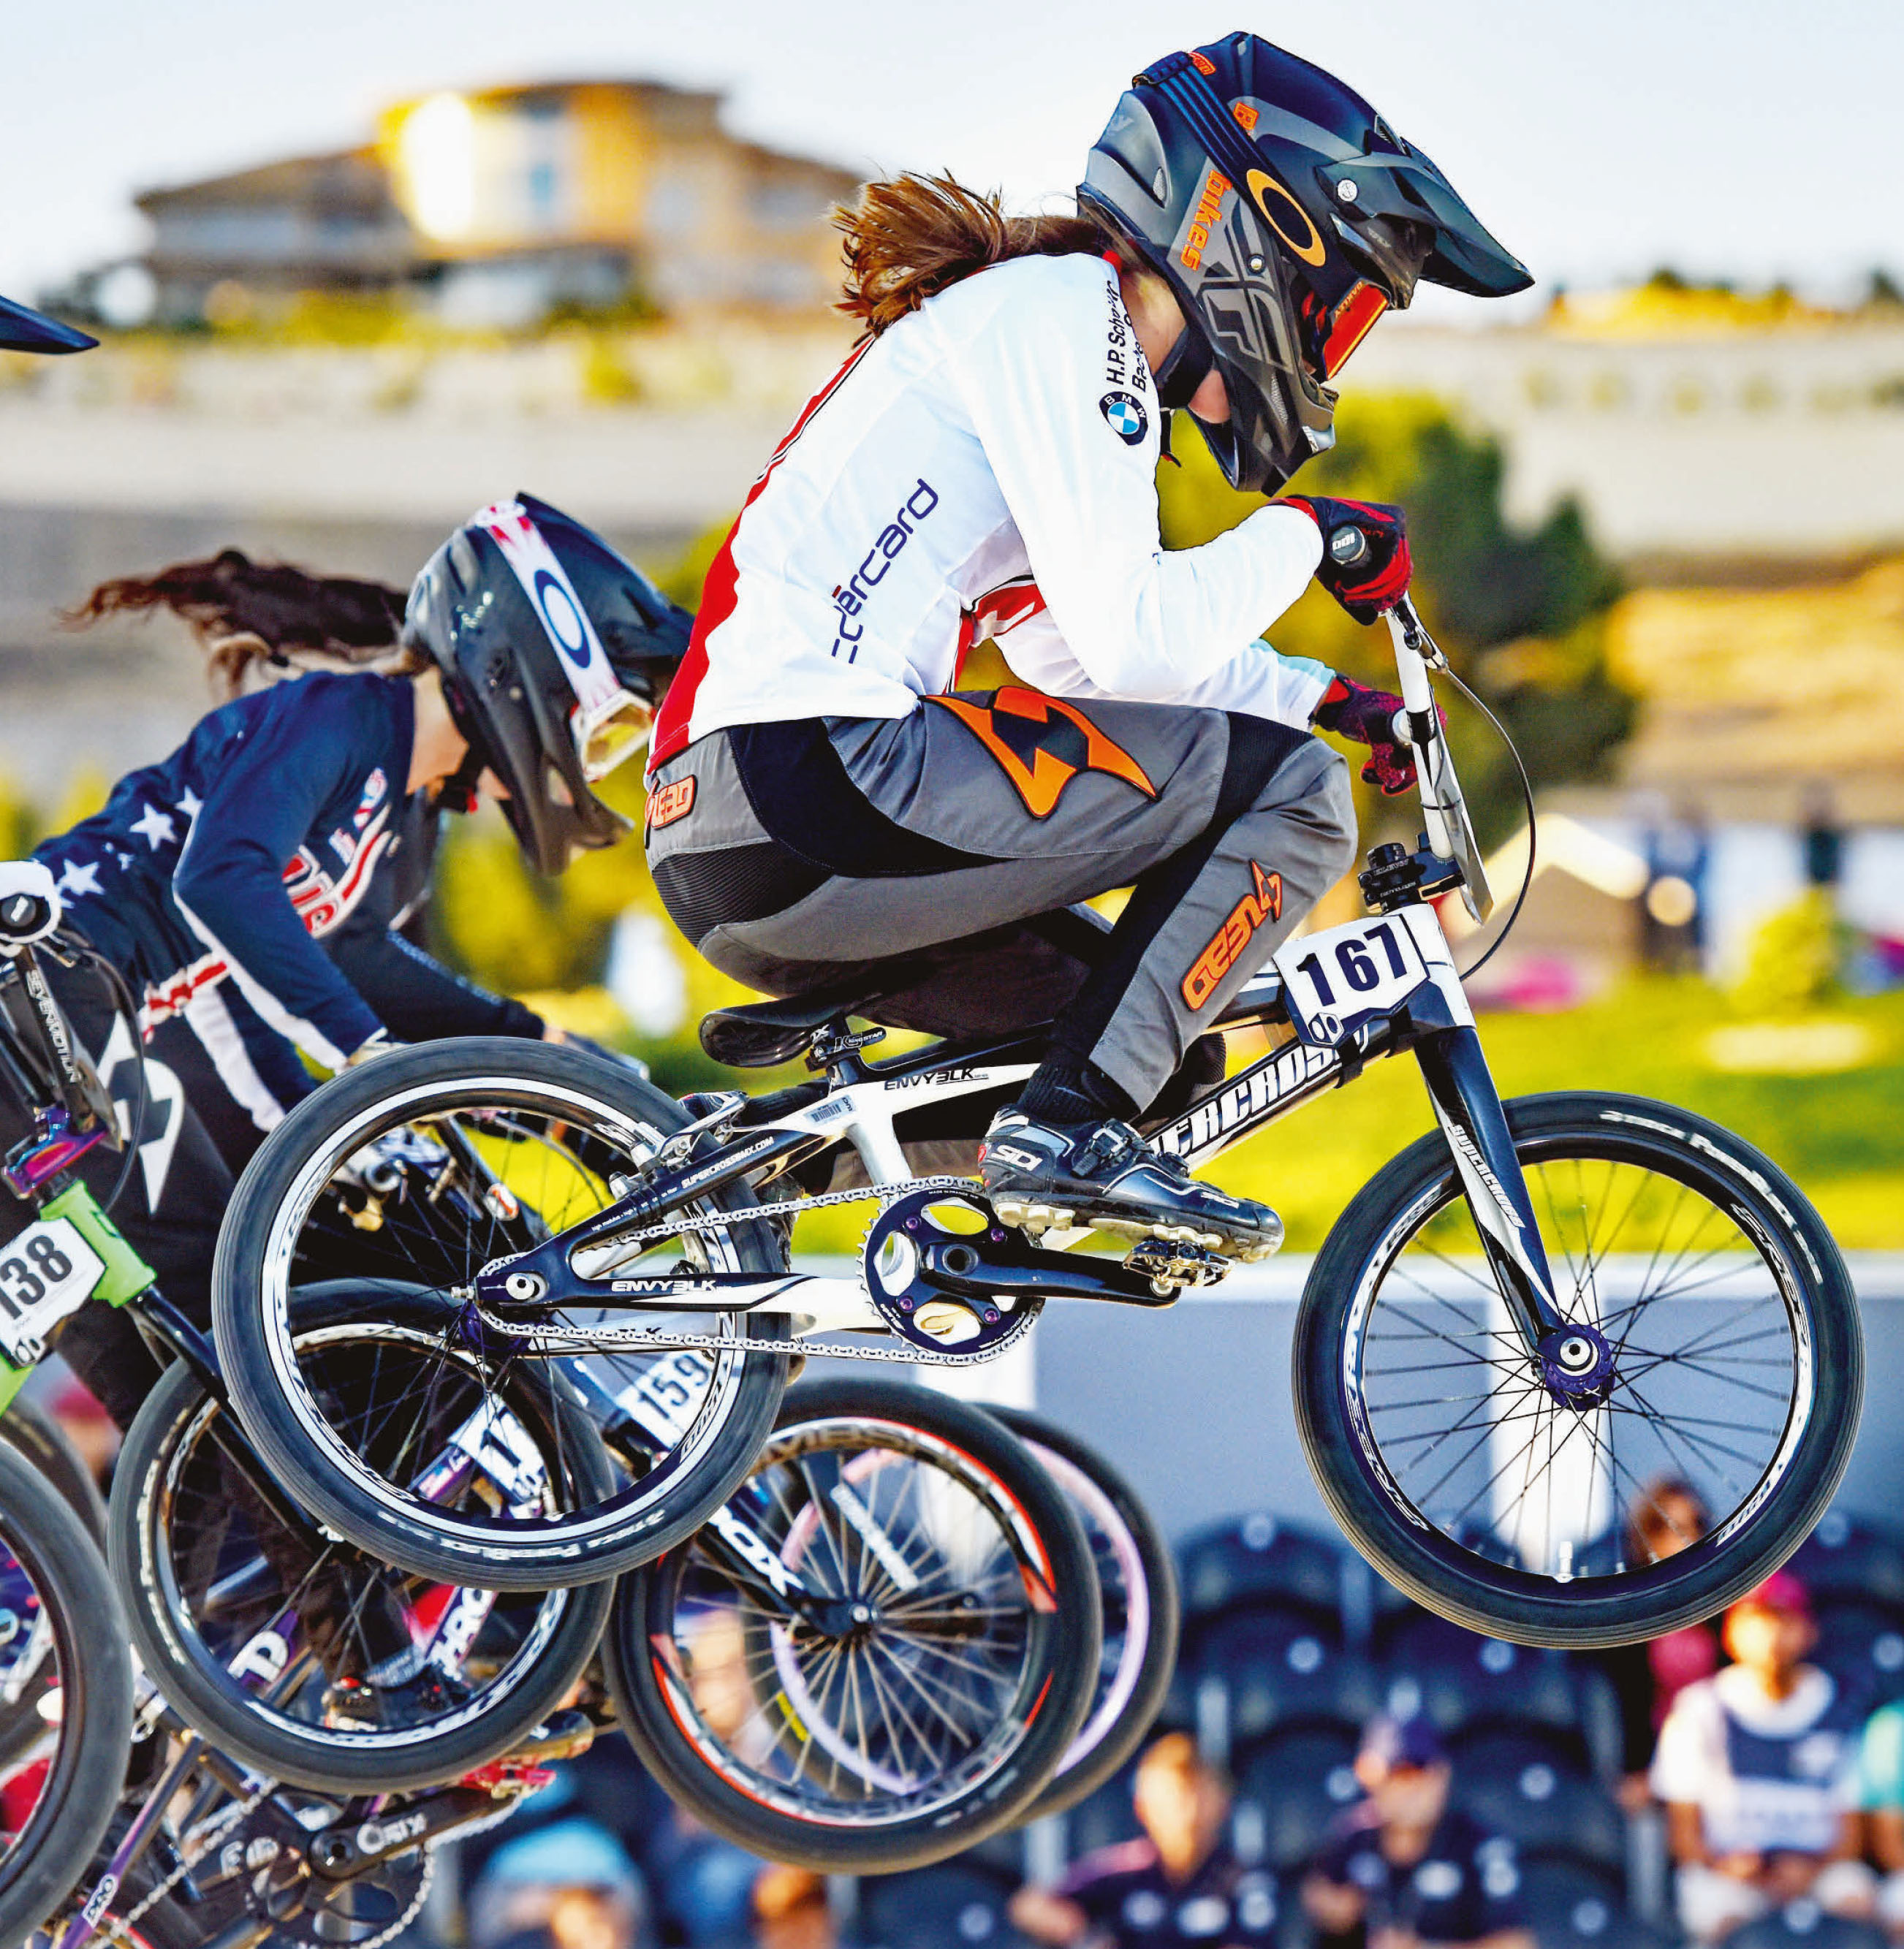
(1055, 1094)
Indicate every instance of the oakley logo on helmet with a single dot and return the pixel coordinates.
(1126, 416)
(1310, 251)
(564, 618)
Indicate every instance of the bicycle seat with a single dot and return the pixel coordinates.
(1010, 980)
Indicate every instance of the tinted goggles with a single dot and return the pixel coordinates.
(1330, 333)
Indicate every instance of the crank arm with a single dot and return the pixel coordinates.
(1029, 1272)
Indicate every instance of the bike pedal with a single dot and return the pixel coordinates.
(1032, 1219)
(1171, 1264)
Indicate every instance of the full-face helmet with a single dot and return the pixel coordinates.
(1286, 216)
(555, 651)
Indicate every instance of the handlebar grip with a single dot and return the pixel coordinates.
(1348, 546)
(24, 918)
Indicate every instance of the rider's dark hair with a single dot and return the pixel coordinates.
(912, 235)
(248, 614)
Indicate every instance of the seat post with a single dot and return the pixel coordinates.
(836, 1050)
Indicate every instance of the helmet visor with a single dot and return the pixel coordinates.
(610, 733)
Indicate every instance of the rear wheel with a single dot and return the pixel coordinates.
(879, 1650)
(423, 1168)
(1460, 1473)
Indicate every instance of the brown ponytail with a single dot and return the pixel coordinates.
(912, 235)
(247, 614)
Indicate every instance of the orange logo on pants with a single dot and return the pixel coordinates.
(1265, 903)
(1038, 772)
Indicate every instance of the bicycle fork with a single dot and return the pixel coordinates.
(1575, 1359)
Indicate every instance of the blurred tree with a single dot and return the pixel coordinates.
(1521, 613)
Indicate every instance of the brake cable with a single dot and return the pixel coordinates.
(1527, 799)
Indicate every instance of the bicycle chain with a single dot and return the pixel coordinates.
(657, 1338)
(208, 1830)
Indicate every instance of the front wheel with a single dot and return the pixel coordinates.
(880, 1651)
(1737, 1373)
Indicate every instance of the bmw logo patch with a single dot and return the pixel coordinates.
(1126, 416)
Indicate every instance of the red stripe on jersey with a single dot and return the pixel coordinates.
(718, 592)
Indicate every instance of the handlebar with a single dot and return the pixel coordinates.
(29, 904)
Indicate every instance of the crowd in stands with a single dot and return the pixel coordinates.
(1336, 1769)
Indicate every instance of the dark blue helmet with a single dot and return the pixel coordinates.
(24, 331)
(1286, 216)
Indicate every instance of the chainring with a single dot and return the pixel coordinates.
(917, 1307)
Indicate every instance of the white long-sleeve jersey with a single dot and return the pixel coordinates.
(987, 467)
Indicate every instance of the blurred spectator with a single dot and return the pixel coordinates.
(1406, 1868)
(1180, 1883)
(1757, 1766)
(1665, 1516)
(570, 1886)
(1881, 1794)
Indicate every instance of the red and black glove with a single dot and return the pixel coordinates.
(1352, 709)
(1377, 578)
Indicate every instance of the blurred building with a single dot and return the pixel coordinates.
(499, 206)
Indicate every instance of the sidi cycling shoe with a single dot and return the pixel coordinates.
(1104, 1176)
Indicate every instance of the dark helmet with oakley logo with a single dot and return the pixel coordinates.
(24, 331)
(555, 652)
(1286, 216)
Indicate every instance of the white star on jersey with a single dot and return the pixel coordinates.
(75, 879)
(191, 805)
(156, 825)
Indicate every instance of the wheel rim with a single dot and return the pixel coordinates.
(1713, 1382)
(548, 1147)
(913, 1708)
(1125, 1595)
(228, 1603)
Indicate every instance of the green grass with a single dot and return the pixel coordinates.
(1840, 1136)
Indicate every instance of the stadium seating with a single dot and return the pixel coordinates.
(1800, 1925)
(1543, 1809)
(958, 1904)
(1259, 1559)
(1291, 1789)
(1846, 1558)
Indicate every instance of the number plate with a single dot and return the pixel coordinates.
(47, 1272)
(1335, 981)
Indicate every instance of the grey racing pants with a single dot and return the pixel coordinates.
(797, 856)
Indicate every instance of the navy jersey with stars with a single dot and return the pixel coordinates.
(264, 829)
(1465, 1887)
(1125, 1892)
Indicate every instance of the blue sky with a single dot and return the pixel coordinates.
(1758, 139)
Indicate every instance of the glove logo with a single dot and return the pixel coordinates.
(1125, 416)
(1042, 743)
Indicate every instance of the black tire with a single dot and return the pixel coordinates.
(864, 1827)
(1136, 1579)
(1773, 1491)
(44, 1540)
(552, 1088)
(47, 1445)
(173, 1495)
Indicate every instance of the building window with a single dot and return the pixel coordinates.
(784, 206)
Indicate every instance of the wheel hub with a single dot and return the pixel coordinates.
(1577, 1365)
